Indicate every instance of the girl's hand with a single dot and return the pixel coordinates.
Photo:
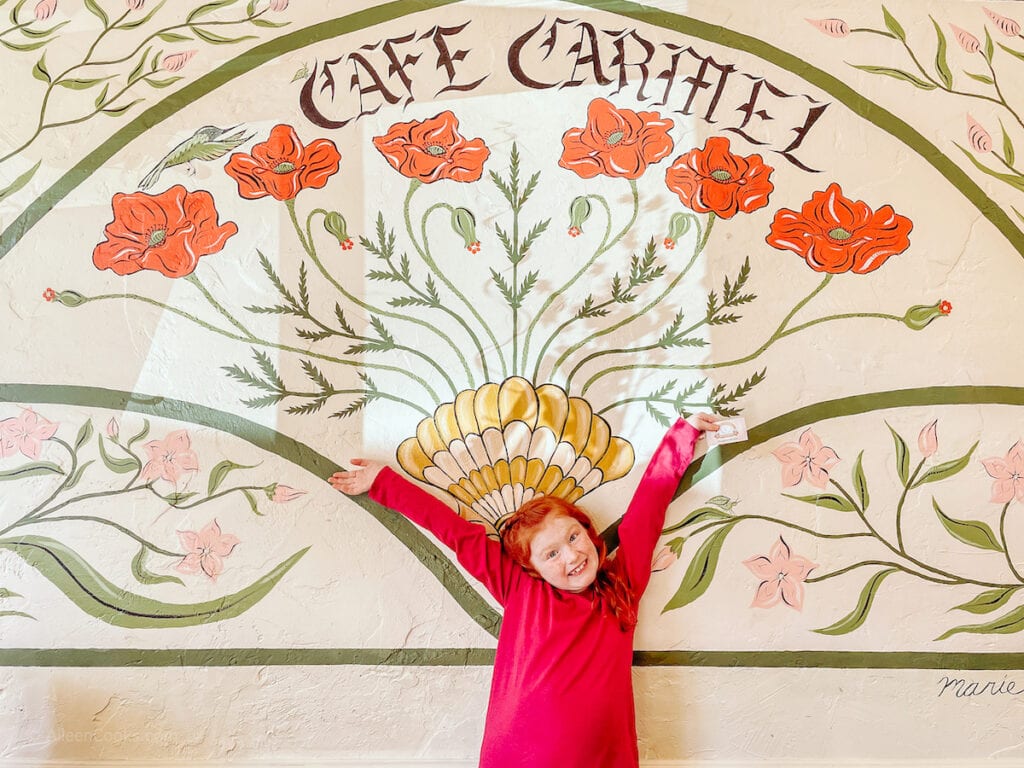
(704, 422)
(356, 481)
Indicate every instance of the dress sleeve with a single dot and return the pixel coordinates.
(642, 523)
(479, 554)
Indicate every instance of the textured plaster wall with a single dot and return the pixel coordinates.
(385, 205)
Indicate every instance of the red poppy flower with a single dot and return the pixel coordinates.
(835, 234)
(714, 180)
(615, 142)
(167, 233)
(429, 150)
(282, 167)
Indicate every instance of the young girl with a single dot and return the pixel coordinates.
(561, 692)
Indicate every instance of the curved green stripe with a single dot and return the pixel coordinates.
(484, 657)
(174, 103)
(273, 442)
(835, 87)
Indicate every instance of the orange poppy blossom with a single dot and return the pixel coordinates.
(615, 142)
(282, 166)
(714, 180)
(433, 149)
(167, 233)
(835, 234)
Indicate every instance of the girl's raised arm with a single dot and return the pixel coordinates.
(645, 517)
(478, 553)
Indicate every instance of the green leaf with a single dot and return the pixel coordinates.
(31, 470)
(94, 7)
(860, 482)
(987, 601)
(83, 434)
(121, 466)
(216, 39)
(902, 456)
(144, 576)
(973, 532)
(1008, 153)
(101, 599)
(203, 10)
(833, 501)
(1016, 182)
(177, 497)
(989, 49)
(944, 470)
(980, 78)
(252, 502)
(269, 23)
(898, 74)
(20, 182)
(941, 64)
(139, 22)
(17, 613)
(859, 614)
(23, 46)
(40, 72)
(219, 472)
(141, 435)
(699, 515)
(163, 83)
(892, 25)
(139, 68)
(81, 83)
(700, 571)
(77, 475)
(6, 593)
(173, 37)
(102, 97)
(41, 33)
(118, 111)
(1012, 52)
(1005, 625)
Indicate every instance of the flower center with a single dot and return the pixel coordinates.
(169, 457)
(284, 167)
(156, 237)
(615, 137)
(721, 175)
(435, 149)
(840, 234)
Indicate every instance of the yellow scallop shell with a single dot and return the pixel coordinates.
(500, 445)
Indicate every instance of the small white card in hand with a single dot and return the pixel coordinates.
(732, 430)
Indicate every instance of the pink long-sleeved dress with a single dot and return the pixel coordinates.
(562, 690)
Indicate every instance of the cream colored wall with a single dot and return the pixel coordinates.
(348, 640)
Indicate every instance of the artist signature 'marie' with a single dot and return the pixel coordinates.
(961, 688)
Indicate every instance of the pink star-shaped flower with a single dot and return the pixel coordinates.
(806, 460)
(1008, 474)
(170, 458)
(25, 433)
(782, 576)
(206, 550)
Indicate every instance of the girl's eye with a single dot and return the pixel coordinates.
(573, 537)
(552, 553)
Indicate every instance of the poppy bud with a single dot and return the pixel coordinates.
(579, 211)
(920, 315)
(678, 226)
(335, 225)
(464, 225)
(70, 298)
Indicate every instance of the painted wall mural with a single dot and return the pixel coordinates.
(501, 246)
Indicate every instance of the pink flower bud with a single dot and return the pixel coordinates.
(113, 429)
(176, 61)
(979, 138)
(278, 5)
(967, 41)
(135, 5)
(831, 27)
(45, 9)
(1006, 25)
(928, 440)
(663, 559)
(283, 494)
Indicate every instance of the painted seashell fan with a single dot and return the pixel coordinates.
(498, 446)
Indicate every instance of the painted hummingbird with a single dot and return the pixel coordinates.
(207, 143)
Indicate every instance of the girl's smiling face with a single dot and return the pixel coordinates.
(563, 554)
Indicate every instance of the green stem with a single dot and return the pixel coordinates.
(606, 244)
(1006, 547)
(207, 499)
(773, 520)
(659, 400)
(194, 280)
(999, 92)
(272, 345)
(899, 507)
(84, 497)
(424, 251)
(702, 242)
(67, 477)
(308, 246)
(1009, 167)
(104, 521)
(855, 566)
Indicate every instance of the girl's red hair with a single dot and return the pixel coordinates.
(609, 585)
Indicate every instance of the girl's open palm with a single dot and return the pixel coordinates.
(354, 482)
